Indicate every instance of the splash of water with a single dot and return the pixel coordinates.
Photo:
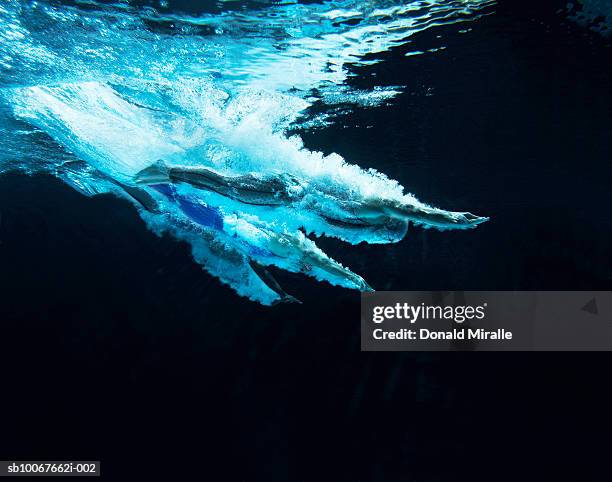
(98, 93)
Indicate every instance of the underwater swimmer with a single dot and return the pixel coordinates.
(285, 189)
(267, 246)
(209, 218)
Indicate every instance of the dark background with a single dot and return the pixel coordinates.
(115, 346)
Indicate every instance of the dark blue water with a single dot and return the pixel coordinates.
(117, 347)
